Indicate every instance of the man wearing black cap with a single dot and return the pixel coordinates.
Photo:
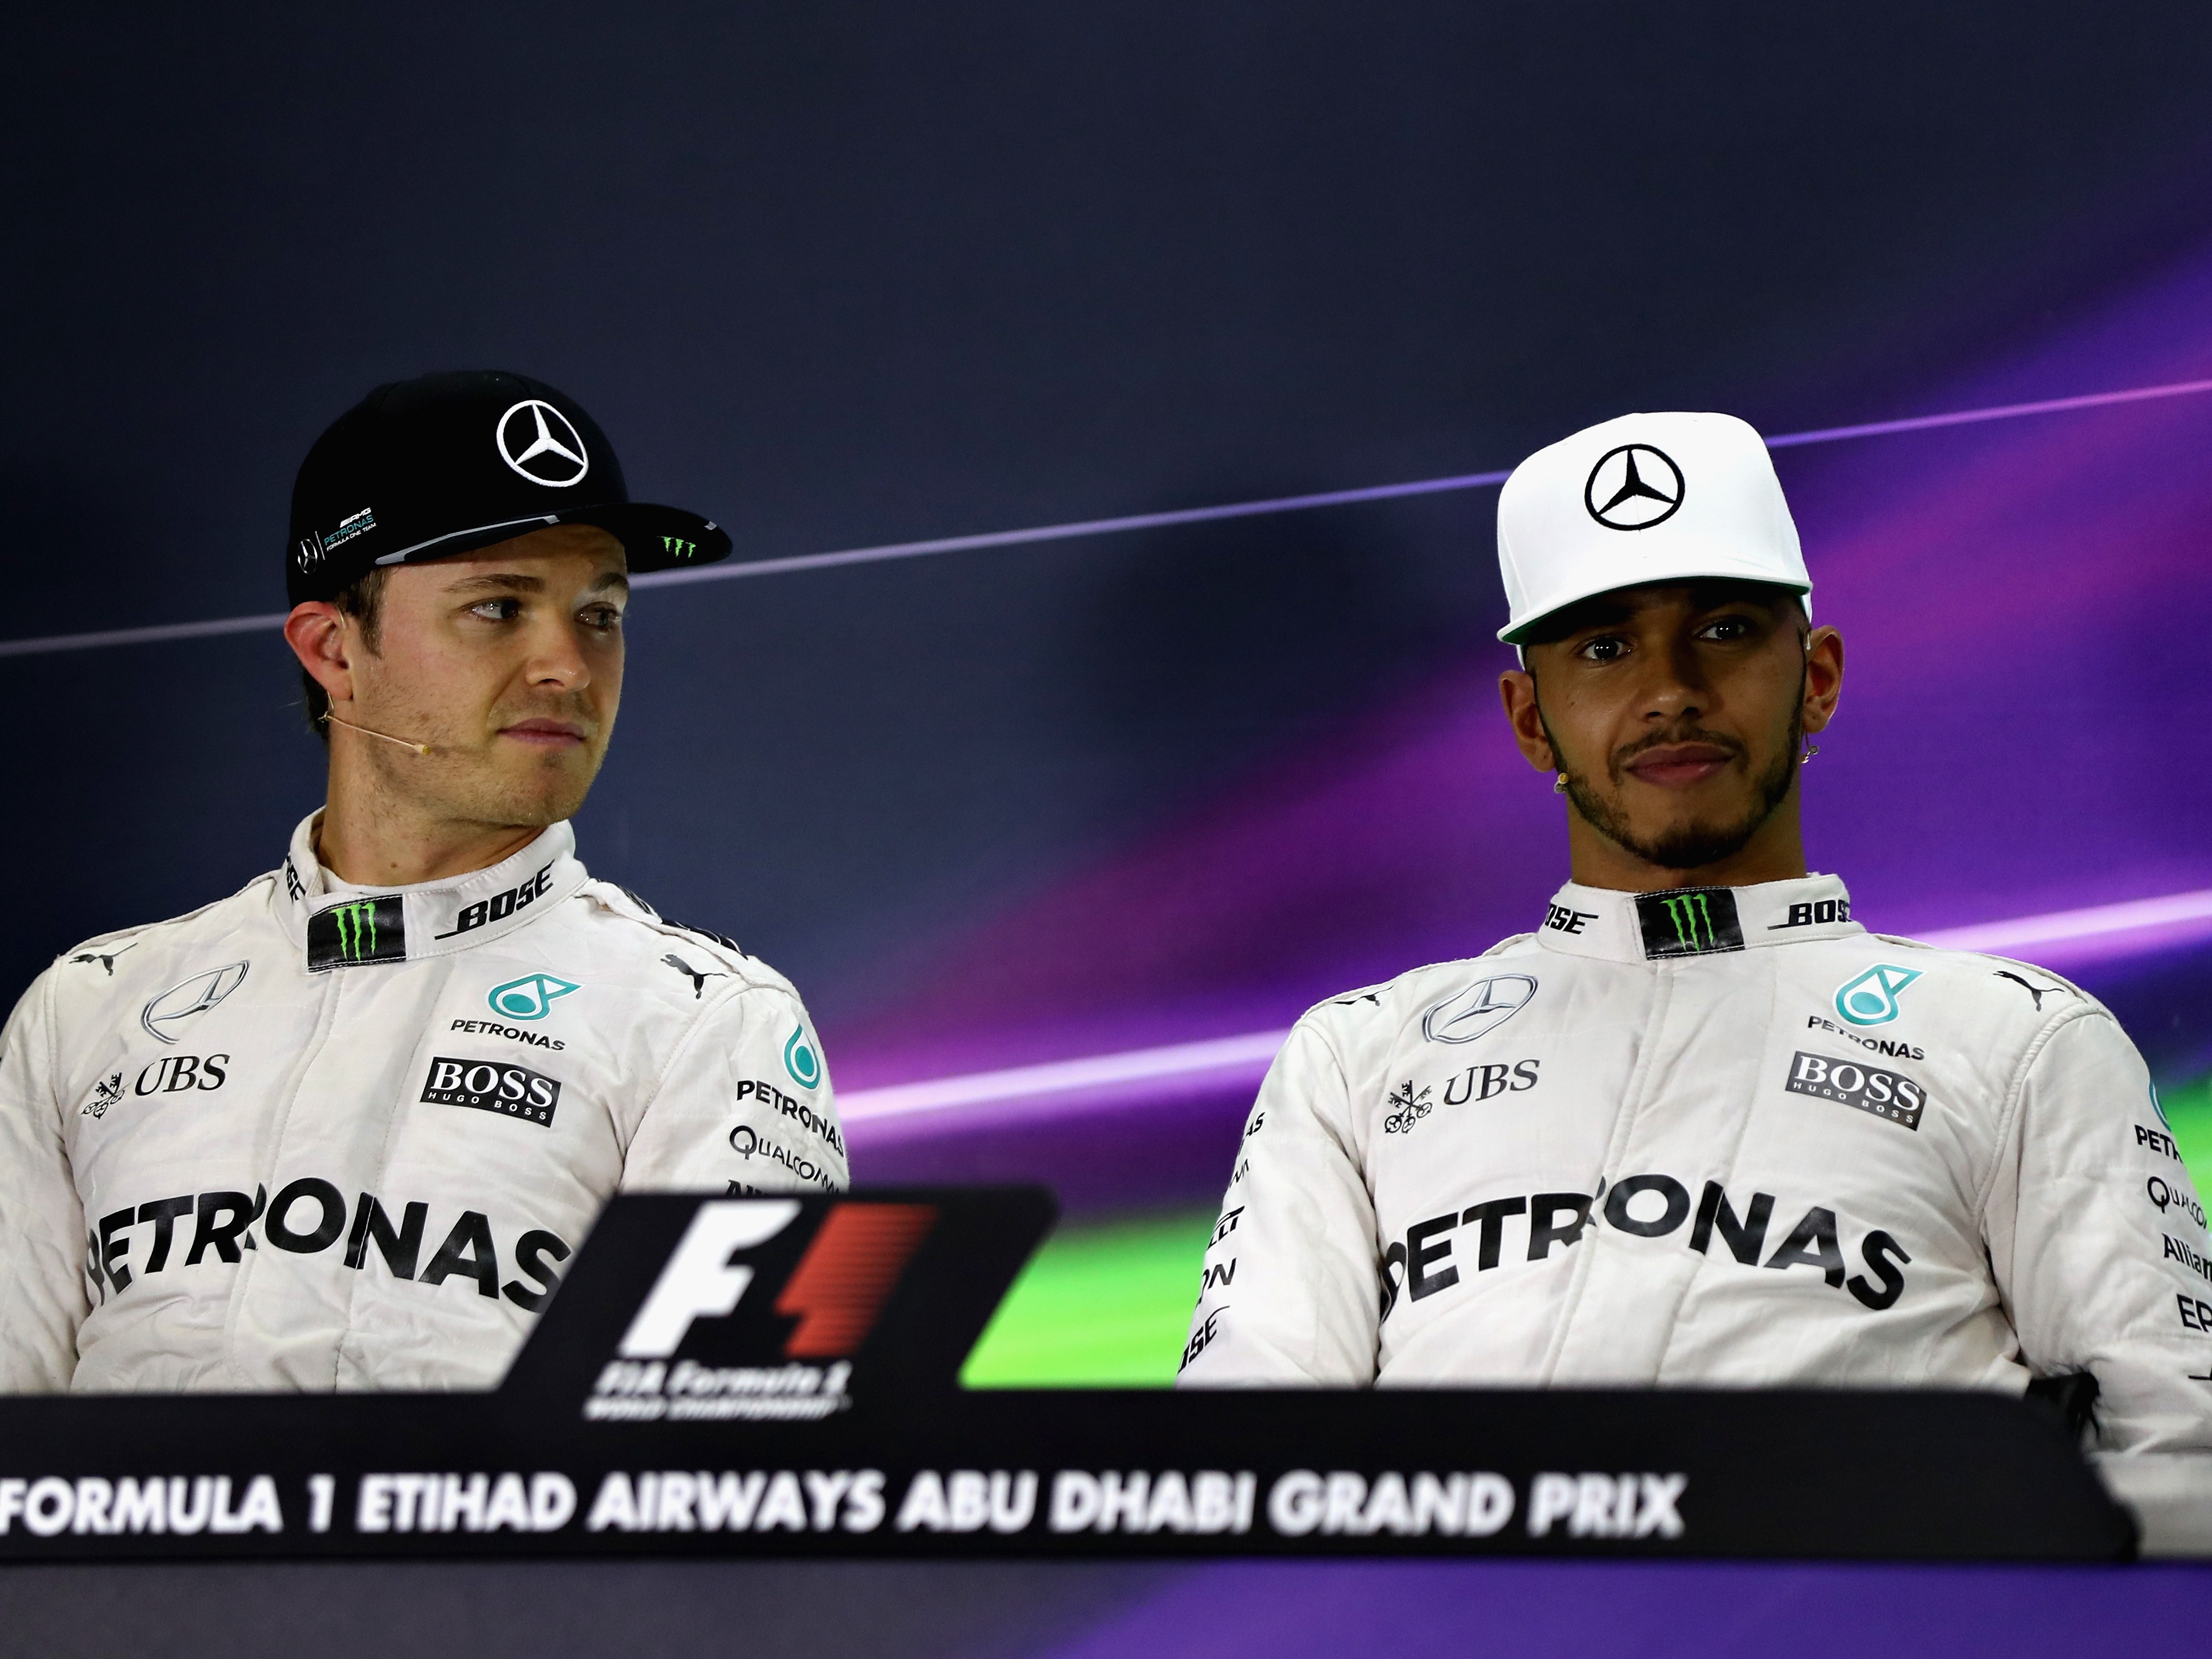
(341, 1129)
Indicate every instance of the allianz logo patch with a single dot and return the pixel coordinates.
(493, 1086)
(1888, 1095)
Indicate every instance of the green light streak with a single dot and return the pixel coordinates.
(2188, 1110)
(1101, 1306)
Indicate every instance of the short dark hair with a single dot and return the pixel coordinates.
(364, 602)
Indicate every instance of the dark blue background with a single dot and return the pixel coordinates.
(849, 273)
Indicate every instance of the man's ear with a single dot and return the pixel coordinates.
(316, 631)
(1824, 677)
(1518, 688)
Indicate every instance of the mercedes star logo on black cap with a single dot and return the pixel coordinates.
(536, 440)
(1633, 488)
(405, 477)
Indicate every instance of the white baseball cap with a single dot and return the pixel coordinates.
(1645, 498)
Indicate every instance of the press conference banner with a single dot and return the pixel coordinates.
(762, 1376)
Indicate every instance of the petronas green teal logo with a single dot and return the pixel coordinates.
(356, 930)
(1871, 998)
(531, 997)
(800, 1059)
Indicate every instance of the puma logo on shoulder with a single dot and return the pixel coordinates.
(2038, 991)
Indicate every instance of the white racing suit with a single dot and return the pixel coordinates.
(1715, 1137)
(322, 1137)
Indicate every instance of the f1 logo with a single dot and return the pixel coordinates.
(701, 1281)
(836, 1292)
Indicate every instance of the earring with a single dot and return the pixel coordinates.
(1811, 750)
(1560, 784)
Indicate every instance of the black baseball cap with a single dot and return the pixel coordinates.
(444, 463)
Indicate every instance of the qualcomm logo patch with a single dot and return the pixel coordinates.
(1871, 998)
(167, 1013)
(1479, 1010)
(531, 997)
(800, 1059)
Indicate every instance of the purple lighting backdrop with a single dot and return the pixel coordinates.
(2011, 595)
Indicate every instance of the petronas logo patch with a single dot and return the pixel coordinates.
(1871, 998)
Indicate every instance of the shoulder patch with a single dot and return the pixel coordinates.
(101, 950)
(699, 957)
(653, 914)
(1905, 943)
(1370, 996)
(104, 951)
(2040, 984)
(2038, 990)
(722, 940)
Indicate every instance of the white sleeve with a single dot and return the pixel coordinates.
(1291, 1291)
(43, 1298)
(745, 1106)
(2098, 1243)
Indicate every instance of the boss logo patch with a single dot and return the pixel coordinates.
(1885, 1094)
(493, 1086)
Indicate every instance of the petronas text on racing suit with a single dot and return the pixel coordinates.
(1715, 1136)
(315, 1136)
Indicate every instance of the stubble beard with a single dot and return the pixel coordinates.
(470, 789)
(1693, 846)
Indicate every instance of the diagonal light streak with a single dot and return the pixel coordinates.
(2136, 926)
(162, 633)
(2099, 922)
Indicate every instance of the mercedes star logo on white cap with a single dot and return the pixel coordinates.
(545, 449)
(1618, 495)
(1697, 493)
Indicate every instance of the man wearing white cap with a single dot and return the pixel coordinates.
(1700, 1127)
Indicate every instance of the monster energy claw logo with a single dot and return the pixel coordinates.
(1690, 921)
(1694, 921)
(358, 931)
(357, 925)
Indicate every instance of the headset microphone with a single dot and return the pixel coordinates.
(419, 748)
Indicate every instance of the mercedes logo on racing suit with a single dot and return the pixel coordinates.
(169, 1011)
(1479, 1010)
(537, 440)
(1633, 488)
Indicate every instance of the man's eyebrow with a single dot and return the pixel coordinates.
(1597, 613)
(499, 581)
(1717, 595)
(520, 582)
